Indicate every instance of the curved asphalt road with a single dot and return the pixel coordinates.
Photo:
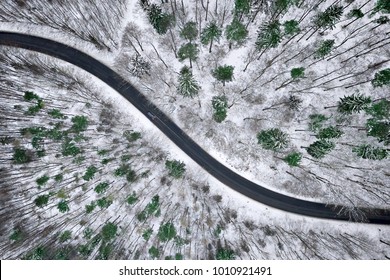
(211, 165)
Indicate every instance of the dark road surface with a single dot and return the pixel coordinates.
(185, 143)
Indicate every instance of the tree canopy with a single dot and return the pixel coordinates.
(189, 31)
(273, 139)
(353, 103)
(269, 35)
(220, 105)
(176, 168)
(382, 78)
(236, 32)
(223, 73)
(188, 51)
(210, 33)
(329, 17)
(188, 86)
(159, 20)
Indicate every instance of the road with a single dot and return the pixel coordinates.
(181, 139)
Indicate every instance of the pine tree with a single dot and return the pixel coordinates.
(236, 32)
(166, 232)
(139, 66)
(220, 106)
(225, 254)
(188, 86)
(329, 17)
(291, 27)
(109, 231)
(159, 20)
(223, 73)
(282, 5)
(189, 31)
(293, 159)
(269, 35)
(316, 122)
(297, 73)
(353, 103)
(63, 206)
(329, 132)
(370, 152)
(382, 6)
(382, 20)
(379, 129)
(324, 49)
(356, 13)
(382, 78)
(176, 168)
(273, 139)
(380, 110)
(189, 51)
(241, 7)
(21, 156)
(80, 123)
(294, 102)
(210, 33)
(42, 200)
(320, 148)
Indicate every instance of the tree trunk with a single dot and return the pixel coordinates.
(211, 45)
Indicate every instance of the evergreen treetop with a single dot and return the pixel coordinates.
(283, 5)
(225, 254)
(269, 35)
(236, 31)
(189, 51)
(370, 152)
(329, 17)
(297, 73)
(189, 31)
(159, 20)
(320, 148)
(293, 159)
(291, 27)
(188, 86)
(353, 103)
(382, 78)
(357, 13)
(210, 33)
(382, 6)
(273, 139)
(242, 7)
(324, 49)
(223, 73)
(176, 168)
(220, 105)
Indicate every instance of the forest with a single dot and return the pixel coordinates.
(291, 94)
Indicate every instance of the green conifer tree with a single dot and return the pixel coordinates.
(269, 35)
(220, 106)
(320, 148)
(273, 139)
(324, 49)
(223, 73)
(188, 86)
(189, 31)
(236, 32)
(210, 33)
(188, 51)
(329, 17)
(382, 78)
(353, 103)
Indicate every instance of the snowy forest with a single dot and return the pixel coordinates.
(292, 94)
